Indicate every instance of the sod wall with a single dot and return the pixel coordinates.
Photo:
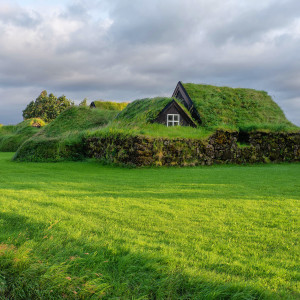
(221, 147)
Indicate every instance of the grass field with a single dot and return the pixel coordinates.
(87, 231)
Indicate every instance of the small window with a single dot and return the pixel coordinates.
(173, 119)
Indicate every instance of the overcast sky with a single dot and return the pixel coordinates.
(127, 49)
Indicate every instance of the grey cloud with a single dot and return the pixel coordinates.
(252, 25)
(134, 49)
(20, 17)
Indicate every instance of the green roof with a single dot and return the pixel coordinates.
(78, 118)
(234, 106)
(110, 105)
(146, 110)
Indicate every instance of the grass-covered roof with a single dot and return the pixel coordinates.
(109, 105)
(77, 119)
(144, 111)
(237, 107)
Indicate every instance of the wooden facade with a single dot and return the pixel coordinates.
(181, 93)
(168, 116)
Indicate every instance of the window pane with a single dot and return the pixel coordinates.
(176, 117)
(170, 117)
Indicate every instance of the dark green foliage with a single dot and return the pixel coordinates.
(221, 147)
(12, 136)
(46, 107)
(62, 138)
(109, 105)
(222, 106)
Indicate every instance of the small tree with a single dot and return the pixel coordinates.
(46, 107)
(83, 102)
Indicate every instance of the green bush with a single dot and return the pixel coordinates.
(46, 107)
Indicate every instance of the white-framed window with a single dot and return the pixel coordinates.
(173, 119)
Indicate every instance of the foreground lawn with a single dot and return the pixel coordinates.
(87, 231)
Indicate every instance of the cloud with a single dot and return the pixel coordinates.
(125, 49)
(13, 15)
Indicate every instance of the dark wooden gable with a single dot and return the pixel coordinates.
(174, 108)
(181, 94)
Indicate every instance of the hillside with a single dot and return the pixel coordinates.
(236, 107)
(12, 136)
(55, 141)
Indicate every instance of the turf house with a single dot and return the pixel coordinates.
(207, 106)
(214, 106)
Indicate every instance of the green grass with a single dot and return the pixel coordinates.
(12, 136)
(75, 119)
(62, 138)
(238, 107)
(219, 108)
(152, 130)
(86, 231)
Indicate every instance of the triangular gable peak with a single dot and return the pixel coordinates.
(173, 115)
(181, 93)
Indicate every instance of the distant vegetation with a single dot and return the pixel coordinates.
(109, 105)
(46, 107)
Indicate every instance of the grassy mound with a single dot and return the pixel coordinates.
(138, 116)
(236, 107)
(12, 136)
(62, 138)
(108, 105)
(77, 119)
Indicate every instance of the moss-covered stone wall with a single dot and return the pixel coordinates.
(221, 147)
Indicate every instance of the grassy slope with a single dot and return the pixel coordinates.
(77, 119)
(236, 107)
(82, 230)
(12, 136)
(66, 130)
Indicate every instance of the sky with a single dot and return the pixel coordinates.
(123, 50)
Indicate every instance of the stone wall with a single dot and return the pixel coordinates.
(221, 147)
